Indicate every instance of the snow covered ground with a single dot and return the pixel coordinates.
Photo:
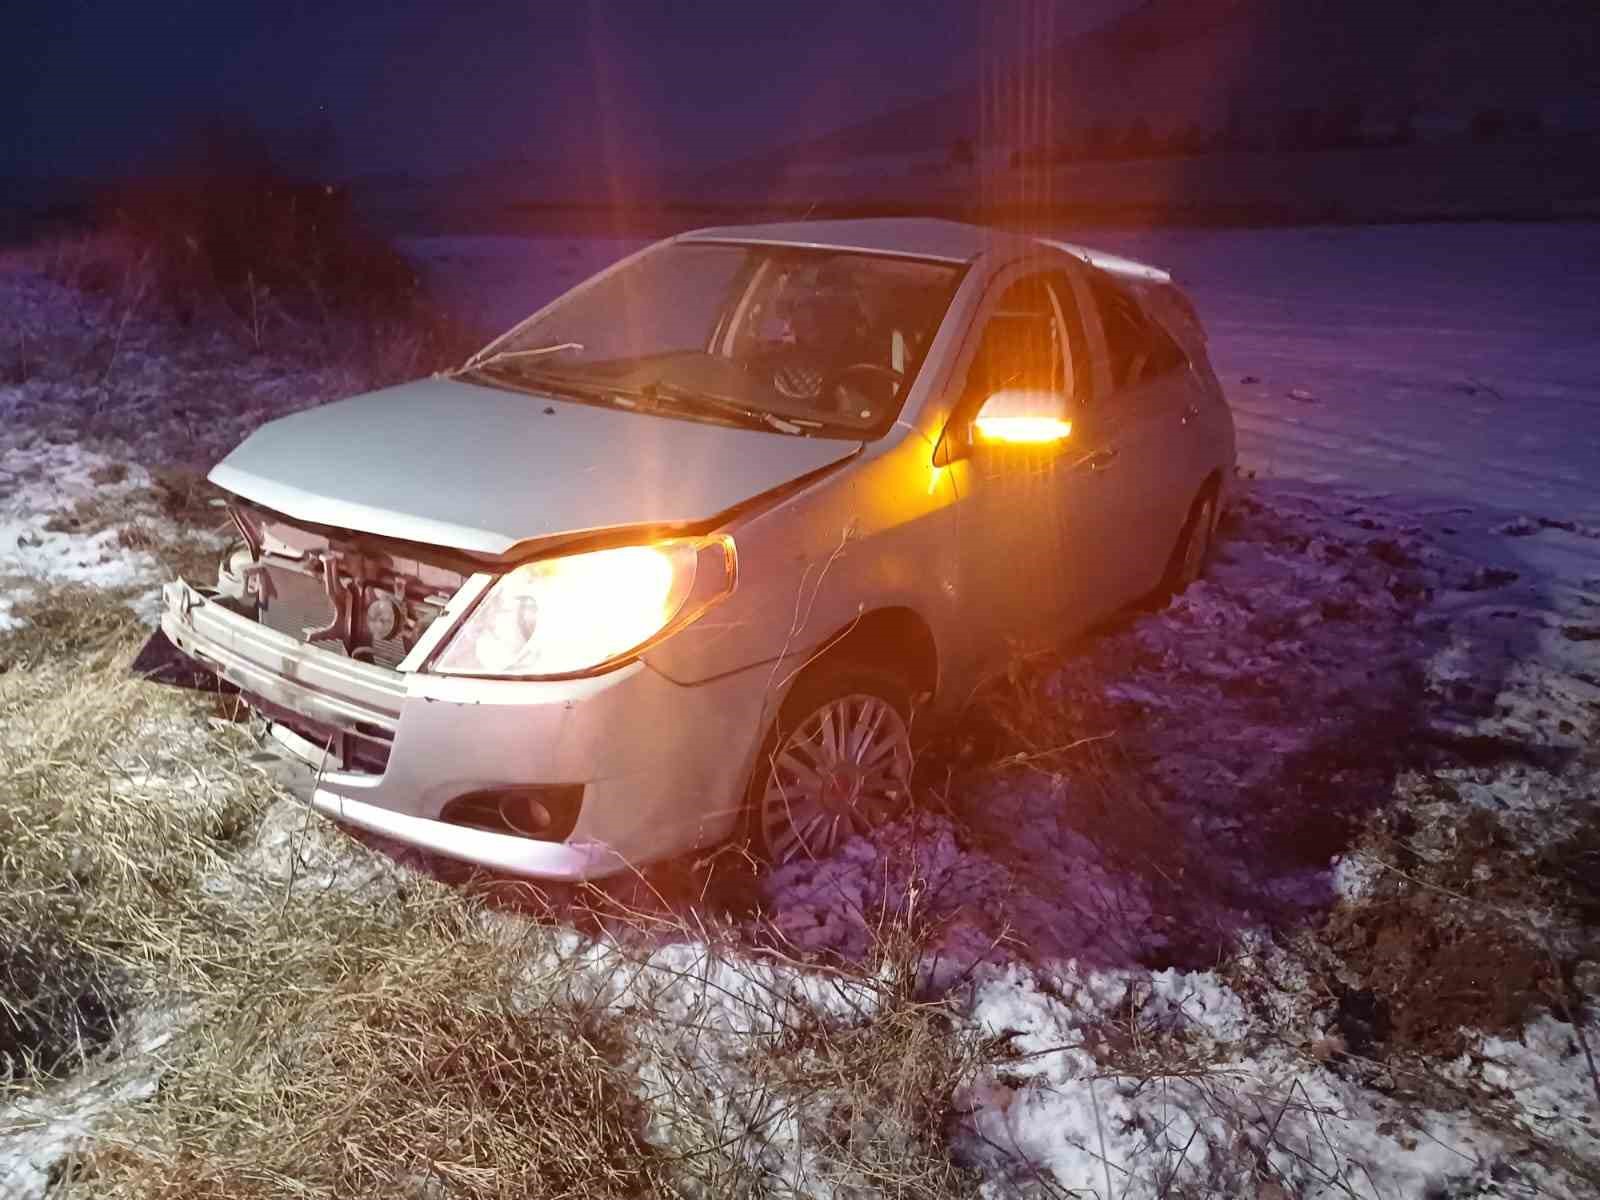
(1313, 913)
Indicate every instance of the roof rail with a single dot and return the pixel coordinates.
(1113, 264)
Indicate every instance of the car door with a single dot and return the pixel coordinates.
(1017, 504)
(1137, 422)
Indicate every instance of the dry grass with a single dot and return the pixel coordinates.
(115, 802)
(415, 1076)
(105, 361)
(352, 1028)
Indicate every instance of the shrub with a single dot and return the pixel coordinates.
(228, 222)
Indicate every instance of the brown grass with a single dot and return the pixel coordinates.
(351, 1028)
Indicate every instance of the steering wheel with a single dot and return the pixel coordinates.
(833, 379)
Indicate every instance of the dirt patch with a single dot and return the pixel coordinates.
(1573, 866)
(71, 620)
(1439, 970)
(1461, 941)
(57, 1005)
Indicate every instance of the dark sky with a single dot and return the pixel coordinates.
(94, 87)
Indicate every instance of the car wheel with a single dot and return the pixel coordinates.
(836, 763)
(1193, 551)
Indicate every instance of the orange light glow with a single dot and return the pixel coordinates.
(559, 615)
(1024, 430)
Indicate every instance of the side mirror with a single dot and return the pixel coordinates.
(1026, 416)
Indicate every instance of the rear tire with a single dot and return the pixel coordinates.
(836, 763)
(1193, 552)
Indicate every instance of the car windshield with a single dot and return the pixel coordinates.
(801, 341)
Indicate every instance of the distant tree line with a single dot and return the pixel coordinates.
(1346, 126)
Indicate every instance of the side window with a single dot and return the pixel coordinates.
(1077, 347)
(1137, 347)
(1021, 346)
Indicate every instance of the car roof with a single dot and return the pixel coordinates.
(912, 237)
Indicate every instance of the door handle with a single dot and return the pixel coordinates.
(1102, 459)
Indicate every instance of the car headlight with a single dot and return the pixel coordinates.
(580, 612)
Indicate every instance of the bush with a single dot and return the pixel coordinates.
(227, 222)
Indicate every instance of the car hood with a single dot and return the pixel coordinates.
(480, 469)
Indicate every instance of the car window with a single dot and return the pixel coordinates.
(623, 315)
(1077, 345)
(1021, 345)
(1137, 349)
(793, 339)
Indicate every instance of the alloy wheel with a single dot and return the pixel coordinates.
(843, 769)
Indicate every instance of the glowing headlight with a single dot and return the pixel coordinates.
(564, 616)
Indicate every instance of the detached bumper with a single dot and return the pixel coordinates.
(662, 766)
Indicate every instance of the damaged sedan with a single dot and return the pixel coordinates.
(692, 552)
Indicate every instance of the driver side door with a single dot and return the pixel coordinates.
(1018, 505)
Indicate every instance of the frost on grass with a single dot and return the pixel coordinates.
(1163, 1084)
(110, 411)
(45, 486)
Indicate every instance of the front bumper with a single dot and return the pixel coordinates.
(663, 766)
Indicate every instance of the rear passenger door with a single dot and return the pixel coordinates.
(1140, 420)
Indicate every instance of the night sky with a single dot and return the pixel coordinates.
(95, 88)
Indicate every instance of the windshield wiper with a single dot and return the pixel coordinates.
(480, 359)
(675, 395)
(660, 394)
(538, 382)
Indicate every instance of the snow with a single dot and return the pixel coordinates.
(42, 482)
(40, 1134)
(1244, 1105)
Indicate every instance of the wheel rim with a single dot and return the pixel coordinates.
(842, 770)
(1194, 551)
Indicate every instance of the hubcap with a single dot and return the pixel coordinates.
(842, 770)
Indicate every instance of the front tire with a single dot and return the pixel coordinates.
(836, 763)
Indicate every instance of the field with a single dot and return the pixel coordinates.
(1290, 889)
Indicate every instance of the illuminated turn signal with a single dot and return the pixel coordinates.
(1024, 430)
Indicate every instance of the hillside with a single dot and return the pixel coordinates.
(1256, 63)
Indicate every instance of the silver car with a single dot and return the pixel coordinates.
(685, 555)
